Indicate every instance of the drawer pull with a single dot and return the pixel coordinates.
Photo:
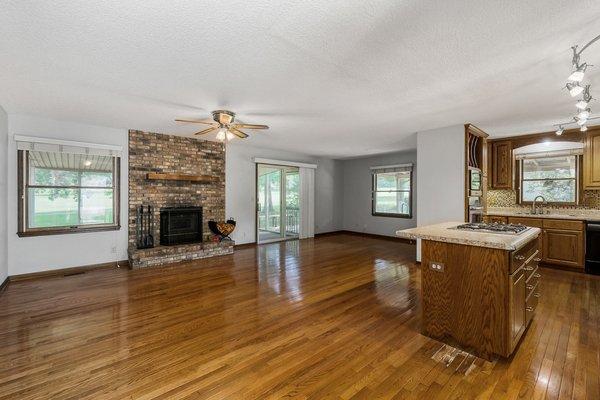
(529, 268)
(537, 259)
(530, 309)
(537, 275)
(519, 258)
(529, 287)
(536, 295)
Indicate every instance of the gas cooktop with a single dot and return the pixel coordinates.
(495, 227)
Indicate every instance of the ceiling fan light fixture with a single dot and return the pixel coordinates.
(221, 135)
(229, 136)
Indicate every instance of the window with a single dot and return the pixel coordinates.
(66, 193)
(392, 191)
(555, 178)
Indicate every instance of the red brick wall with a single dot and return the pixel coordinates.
(153, 152)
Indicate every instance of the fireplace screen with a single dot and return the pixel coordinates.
(180, 225)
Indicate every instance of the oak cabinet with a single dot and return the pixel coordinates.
(591, 161)
(495, 219)
(562, 242)
(563, 247)
(501, 165)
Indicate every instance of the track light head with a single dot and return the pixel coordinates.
(574, 89)
(578, 74)
(583, 128)
(560, 130)
(584, 114)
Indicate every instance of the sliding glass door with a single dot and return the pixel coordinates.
(278, 203)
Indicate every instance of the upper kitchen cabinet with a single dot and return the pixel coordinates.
(501, 165)
(591, 160)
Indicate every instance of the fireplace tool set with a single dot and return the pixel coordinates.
(145, 227)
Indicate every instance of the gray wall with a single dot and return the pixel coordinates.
(357, 195)
(3, 195)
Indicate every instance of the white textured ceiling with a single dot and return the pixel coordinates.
(336, 78)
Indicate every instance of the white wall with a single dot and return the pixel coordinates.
(240, 184)
(357, 183)
(3, 195)
(441, 174)
(33, 254)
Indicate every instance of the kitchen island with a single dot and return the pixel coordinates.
(479, 288)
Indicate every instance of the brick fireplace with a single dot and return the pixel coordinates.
(166, 156)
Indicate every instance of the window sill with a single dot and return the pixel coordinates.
(66, 231)
(407, 216)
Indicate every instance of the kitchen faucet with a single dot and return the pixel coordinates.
(533, 205)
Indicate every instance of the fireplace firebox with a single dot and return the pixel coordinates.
(179, 225)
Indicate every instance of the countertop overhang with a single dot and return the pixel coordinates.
(444, 233)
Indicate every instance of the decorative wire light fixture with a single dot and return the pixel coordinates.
(575, 89)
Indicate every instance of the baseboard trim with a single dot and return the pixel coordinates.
(244, 245)
(4, 284)
(69, 271)
(371, 235)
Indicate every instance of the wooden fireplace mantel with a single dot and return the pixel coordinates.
(155, 176)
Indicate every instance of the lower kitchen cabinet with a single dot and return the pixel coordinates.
(563, 247)
(562, 242)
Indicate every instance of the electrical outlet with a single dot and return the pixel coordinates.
(435, 266)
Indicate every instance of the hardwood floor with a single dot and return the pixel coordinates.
(335, 317)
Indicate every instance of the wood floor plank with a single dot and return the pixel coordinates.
(336, 317)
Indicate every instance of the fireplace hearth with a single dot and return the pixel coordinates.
(180, 225)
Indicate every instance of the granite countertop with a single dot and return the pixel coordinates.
(443, 233)
(574, 214)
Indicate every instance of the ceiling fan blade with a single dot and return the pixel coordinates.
(193, 121)
(250, 126)
(237, 132)
(209, 130)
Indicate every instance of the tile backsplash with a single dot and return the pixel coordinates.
(508, 198)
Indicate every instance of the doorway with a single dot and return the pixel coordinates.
(278, 203)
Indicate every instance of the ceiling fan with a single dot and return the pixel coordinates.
(224, 125)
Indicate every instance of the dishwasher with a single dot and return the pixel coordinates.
(592, 248)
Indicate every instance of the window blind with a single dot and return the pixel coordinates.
(391, 168)
(66, 146)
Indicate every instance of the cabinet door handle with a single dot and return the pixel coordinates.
(530, 309)
(536, 295)
(537, 275)
(537, 259)
(529, 268)
(529, 287)
(519, 257)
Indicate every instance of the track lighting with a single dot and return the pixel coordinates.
(583, 128)
(584, 114)
(581, 121)
(560, 130)
(581, 104)
(221, 135)
(578, 74)
(574, 89)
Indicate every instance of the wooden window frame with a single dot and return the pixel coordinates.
(23, 212)
(392, 215)
(578, 185)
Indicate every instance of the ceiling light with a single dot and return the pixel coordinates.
(577, 75)
(560, 130)
(583, 128)
(221, 135)
(87, 163)
(229, 136)
(584, 114)
(581, 104)
(574, 89)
